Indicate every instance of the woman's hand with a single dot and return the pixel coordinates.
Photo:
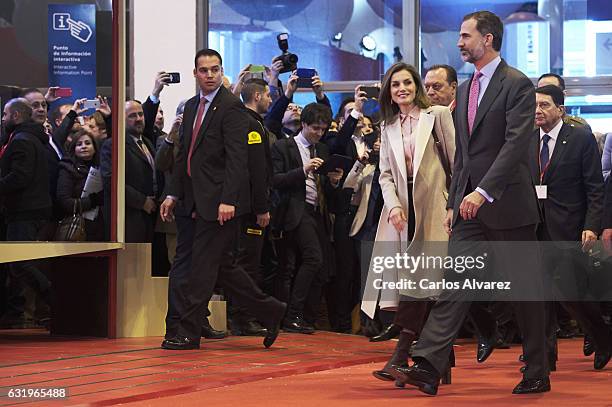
(398, 219)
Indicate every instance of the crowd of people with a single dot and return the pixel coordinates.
(243, 191)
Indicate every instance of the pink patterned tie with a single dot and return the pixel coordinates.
(473, 100)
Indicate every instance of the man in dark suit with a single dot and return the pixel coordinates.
(301, 215)
(140, 182)
(24, 193)
(567, 172)
(491, 198)
(209, 178)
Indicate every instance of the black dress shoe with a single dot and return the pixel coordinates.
(385, 374)
(522, 358)
(209, 332)
(601, 359)
(485, 348)
(424, 379)
(253, 328)
(180, 343)
(528, 386)
(297, 325)
(273, 330)
(588, 348)
(390, 332)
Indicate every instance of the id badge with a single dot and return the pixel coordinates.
(542, 191)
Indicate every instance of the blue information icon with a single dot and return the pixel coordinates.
(60, 21)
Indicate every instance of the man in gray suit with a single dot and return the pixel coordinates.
(491, 199)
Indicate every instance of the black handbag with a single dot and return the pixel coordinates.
(72, 228)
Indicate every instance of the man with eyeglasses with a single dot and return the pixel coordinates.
(441, 85)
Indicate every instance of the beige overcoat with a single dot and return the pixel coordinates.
(430, 199)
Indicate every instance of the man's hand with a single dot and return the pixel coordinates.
(78, 107)
(242, 75)
(448, 222)
(398, 219)
(226, 212)
(291, 86)
(50, 96)
(174, 130)
(149, 205)
(263, 219)
(104, 106)
(335, 176)
(161, 80)
(317, 87)
(166, 210)
(360, 98)
(588, 240)
(470, 205)
(313, 164)
(274, 72)
(606, 236)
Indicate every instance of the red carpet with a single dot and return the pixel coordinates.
(320, 369)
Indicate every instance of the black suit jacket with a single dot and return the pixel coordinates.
(606, 221)
(218, 170)
(138, 186)
(575, 189)
(24, 181)
(494, 157)
(289, 181)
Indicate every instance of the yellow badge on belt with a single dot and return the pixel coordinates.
(254, 138)
(257, 232)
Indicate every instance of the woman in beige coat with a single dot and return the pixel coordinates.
(413, 183)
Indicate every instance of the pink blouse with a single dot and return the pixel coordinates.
(409, 124)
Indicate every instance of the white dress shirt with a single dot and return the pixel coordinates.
(553, 134)
(311, 184)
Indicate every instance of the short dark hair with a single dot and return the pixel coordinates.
(21, 106)
(488, 23)
(315, 113)
(451, 73)
(342, 106)
(252, 86)
(27, 91)
(555, 92)
(554, 75)
(207, 52)
(55, 113)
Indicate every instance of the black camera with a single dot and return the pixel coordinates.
(289, 60)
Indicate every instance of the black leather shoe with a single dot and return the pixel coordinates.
(385, 374)
(253, 328)
(390, 332)
(297, 325)
(485, 348)
(522, 358)
(273, 330)
(601, 359)
(180, 343)
(209, 332)
(528, 386)
(588, 348)
(425, 380)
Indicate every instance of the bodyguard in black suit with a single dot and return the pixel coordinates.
(209, 177)
(567, 172)
(301, 215)
(491, 198)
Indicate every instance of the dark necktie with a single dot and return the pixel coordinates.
(146, 153)
(544, 154)
(317, 178)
